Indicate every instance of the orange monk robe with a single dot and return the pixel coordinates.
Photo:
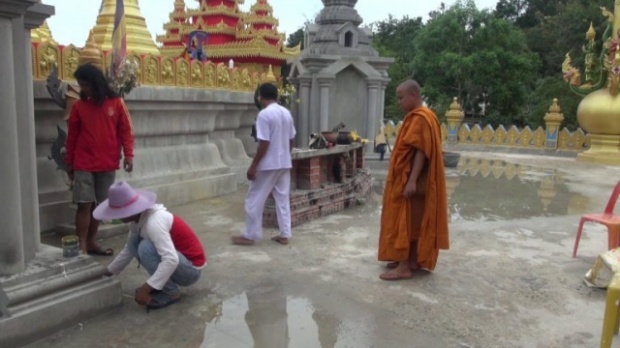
(423, 217)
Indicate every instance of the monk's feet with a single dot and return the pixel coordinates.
(240, 240)
(396, 274)
(412, 267)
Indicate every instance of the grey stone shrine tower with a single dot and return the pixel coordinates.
(339, 75)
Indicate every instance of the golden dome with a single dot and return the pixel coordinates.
(599, 113)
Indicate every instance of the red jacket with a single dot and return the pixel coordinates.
(96, 135)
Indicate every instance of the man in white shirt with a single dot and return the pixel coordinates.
(161, 242)
(270, 171)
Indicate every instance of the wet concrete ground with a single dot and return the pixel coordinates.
(507, 281)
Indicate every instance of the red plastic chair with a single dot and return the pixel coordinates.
(607, 218)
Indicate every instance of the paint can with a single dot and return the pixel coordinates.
(70, 246)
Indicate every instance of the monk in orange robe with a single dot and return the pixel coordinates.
(414, 220)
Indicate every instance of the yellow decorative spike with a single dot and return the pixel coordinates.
(91, 53)
(591, 33)
(271, 78)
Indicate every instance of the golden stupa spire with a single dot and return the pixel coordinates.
(270, 77)
(42, 34)
(139, 39)
(91, 53)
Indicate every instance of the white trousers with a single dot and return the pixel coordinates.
(278, 183)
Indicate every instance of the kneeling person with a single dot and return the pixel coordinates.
(161, 242)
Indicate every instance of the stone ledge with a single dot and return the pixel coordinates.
(106, 231)
(52, 293)
(306, 153)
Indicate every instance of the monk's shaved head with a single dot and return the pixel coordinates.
(409, 95)
(410, 86)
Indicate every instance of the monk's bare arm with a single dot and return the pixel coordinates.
(418, 164)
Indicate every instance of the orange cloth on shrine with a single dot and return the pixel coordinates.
(425, 216)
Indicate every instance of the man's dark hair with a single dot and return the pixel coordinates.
(268, 91)
(100, 87)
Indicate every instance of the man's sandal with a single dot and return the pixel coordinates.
(161, 300)
(281, 240)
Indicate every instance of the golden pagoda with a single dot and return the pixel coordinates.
(251, 40)
(42, 34)
(139, 40)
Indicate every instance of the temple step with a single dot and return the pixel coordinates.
(105, 230)
(53, 294)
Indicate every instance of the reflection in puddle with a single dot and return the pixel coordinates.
(275, 320)
(491, 190)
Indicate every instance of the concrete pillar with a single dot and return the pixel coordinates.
(33, 19)
(24, 105)
(325, 85)
(12, 259)
(304, 111)
(373, 107)
(381, 105)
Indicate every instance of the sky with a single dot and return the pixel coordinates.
(75, 18)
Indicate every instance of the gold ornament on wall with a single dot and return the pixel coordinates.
(70, 61)
(210, 75)
(168, 72)
(183, 71)
(197, 74)
(47, 58)
(151, 70)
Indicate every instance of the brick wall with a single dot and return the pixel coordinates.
(317, 192)
(307, 205)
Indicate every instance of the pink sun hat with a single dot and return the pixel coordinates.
(123, 202)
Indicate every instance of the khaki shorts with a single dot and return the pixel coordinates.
(91, 187)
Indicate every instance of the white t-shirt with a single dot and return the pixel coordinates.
(275, 125)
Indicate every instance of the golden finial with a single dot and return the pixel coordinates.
(91, 53)
(591, 33)
(555, 112)
(455, 110)
(270, 76)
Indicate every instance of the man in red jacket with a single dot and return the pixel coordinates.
(99, 126)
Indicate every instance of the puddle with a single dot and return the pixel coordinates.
(268, 318)
(492, 190)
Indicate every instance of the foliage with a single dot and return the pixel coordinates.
(508, 59)
(395, 38)
(564, 32)
(474, 56)
(540, 99)
(286, 94)
(296, 38)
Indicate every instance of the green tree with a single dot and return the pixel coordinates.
(559, 33)
(478, 58)
(395, 38)
(540, 99)
(296, 38)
